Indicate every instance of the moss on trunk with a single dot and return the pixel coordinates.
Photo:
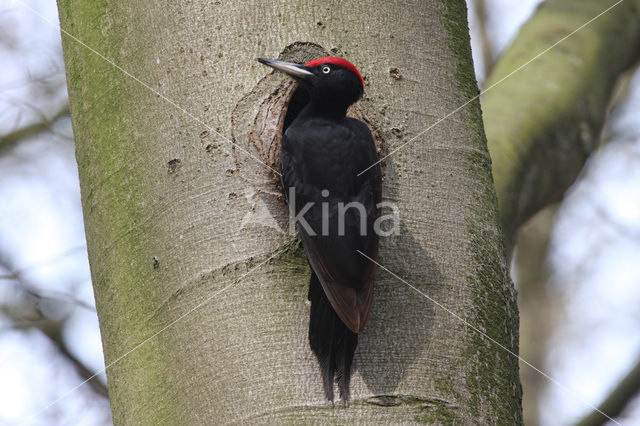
(203, 312)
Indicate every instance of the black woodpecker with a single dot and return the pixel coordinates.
(323, 151)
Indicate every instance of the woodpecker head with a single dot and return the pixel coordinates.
(329, 80)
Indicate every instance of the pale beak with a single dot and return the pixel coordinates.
(294, 70)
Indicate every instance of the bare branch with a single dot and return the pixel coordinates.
(487, 46)
(18, 276)
(11, 139)
(53, 330)
(615, 403)
(33, 318)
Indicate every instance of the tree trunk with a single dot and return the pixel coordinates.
(201, 300)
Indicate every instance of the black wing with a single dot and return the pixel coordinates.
(317, 156)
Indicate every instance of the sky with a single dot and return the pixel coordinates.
(594, 247)
(41, 225)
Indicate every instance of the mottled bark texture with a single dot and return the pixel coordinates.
(544, 121)
(181, 251)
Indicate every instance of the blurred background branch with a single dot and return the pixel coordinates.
(482, 20)
(617, 400)
(46, 313)
(538, 309)
(544, 121)
(9, 140)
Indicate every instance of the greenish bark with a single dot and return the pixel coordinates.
(544, 121)
(202, 312)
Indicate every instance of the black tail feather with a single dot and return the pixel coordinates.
(331, 341)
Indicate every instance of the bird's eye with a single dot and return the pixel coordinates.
(326, 69)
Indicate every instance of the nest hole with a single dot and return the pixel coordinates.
(298, 100)
(279, 102)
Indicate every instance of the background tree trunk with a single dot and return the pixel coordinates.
(203, 314)
(544, 121)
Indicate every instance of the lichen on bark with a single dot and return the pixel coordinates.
(493, 376)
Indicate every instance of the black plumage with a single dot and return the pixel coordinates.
(323, 151)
